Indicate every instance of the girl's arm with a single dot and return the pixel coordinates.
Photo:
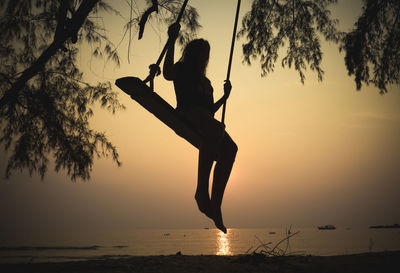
(169, 69)
(227, 92)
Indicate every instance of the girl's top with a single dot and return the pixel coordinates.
(193, 92)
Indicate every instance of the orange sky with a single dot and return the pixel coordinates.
(308, 155)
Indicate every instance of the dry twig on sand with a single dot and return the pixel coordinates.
(268, 250)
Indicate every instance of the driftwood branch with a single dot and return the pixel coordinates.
(268, 250)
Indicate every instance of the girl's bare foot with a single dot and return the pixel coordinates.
(217, 217)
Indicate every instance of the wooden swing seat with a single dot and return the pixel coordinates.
(156, 105)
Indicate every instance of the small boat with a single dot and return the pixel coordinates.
(387, 226)
(272, 232)
(327, 227)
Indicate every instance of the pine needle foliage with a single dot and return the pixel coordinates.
(373, 46)
(294, 25)
(45, 102)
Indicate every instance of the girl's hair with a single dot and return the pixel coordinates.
(190, 56)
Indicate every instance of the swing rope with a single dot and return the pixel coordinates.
(231, 56)
(155, 68)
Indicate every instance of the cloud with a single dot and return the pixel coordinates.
(373, 116)
(370, 120)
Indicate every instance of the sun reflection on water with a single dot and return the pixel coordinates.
(224, 244)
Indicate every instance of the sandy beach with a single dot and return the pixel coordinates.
(378, 262)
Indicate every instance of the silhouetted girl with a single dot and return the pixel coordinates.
(195, 102)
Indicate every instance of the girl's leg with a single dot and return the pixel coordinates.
(222, 172)
(212, 132)
(203, 176)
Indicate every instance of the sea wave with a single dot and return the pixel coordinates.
(41, 248)
(10, 259)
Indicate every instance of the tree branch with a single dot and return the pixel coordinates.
(146, 14)
(76, 23)
(62, 14)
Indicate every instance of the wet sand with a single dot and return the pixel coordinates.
(378, 262)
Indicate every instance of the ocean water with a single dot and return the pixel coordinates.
(66, 246)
